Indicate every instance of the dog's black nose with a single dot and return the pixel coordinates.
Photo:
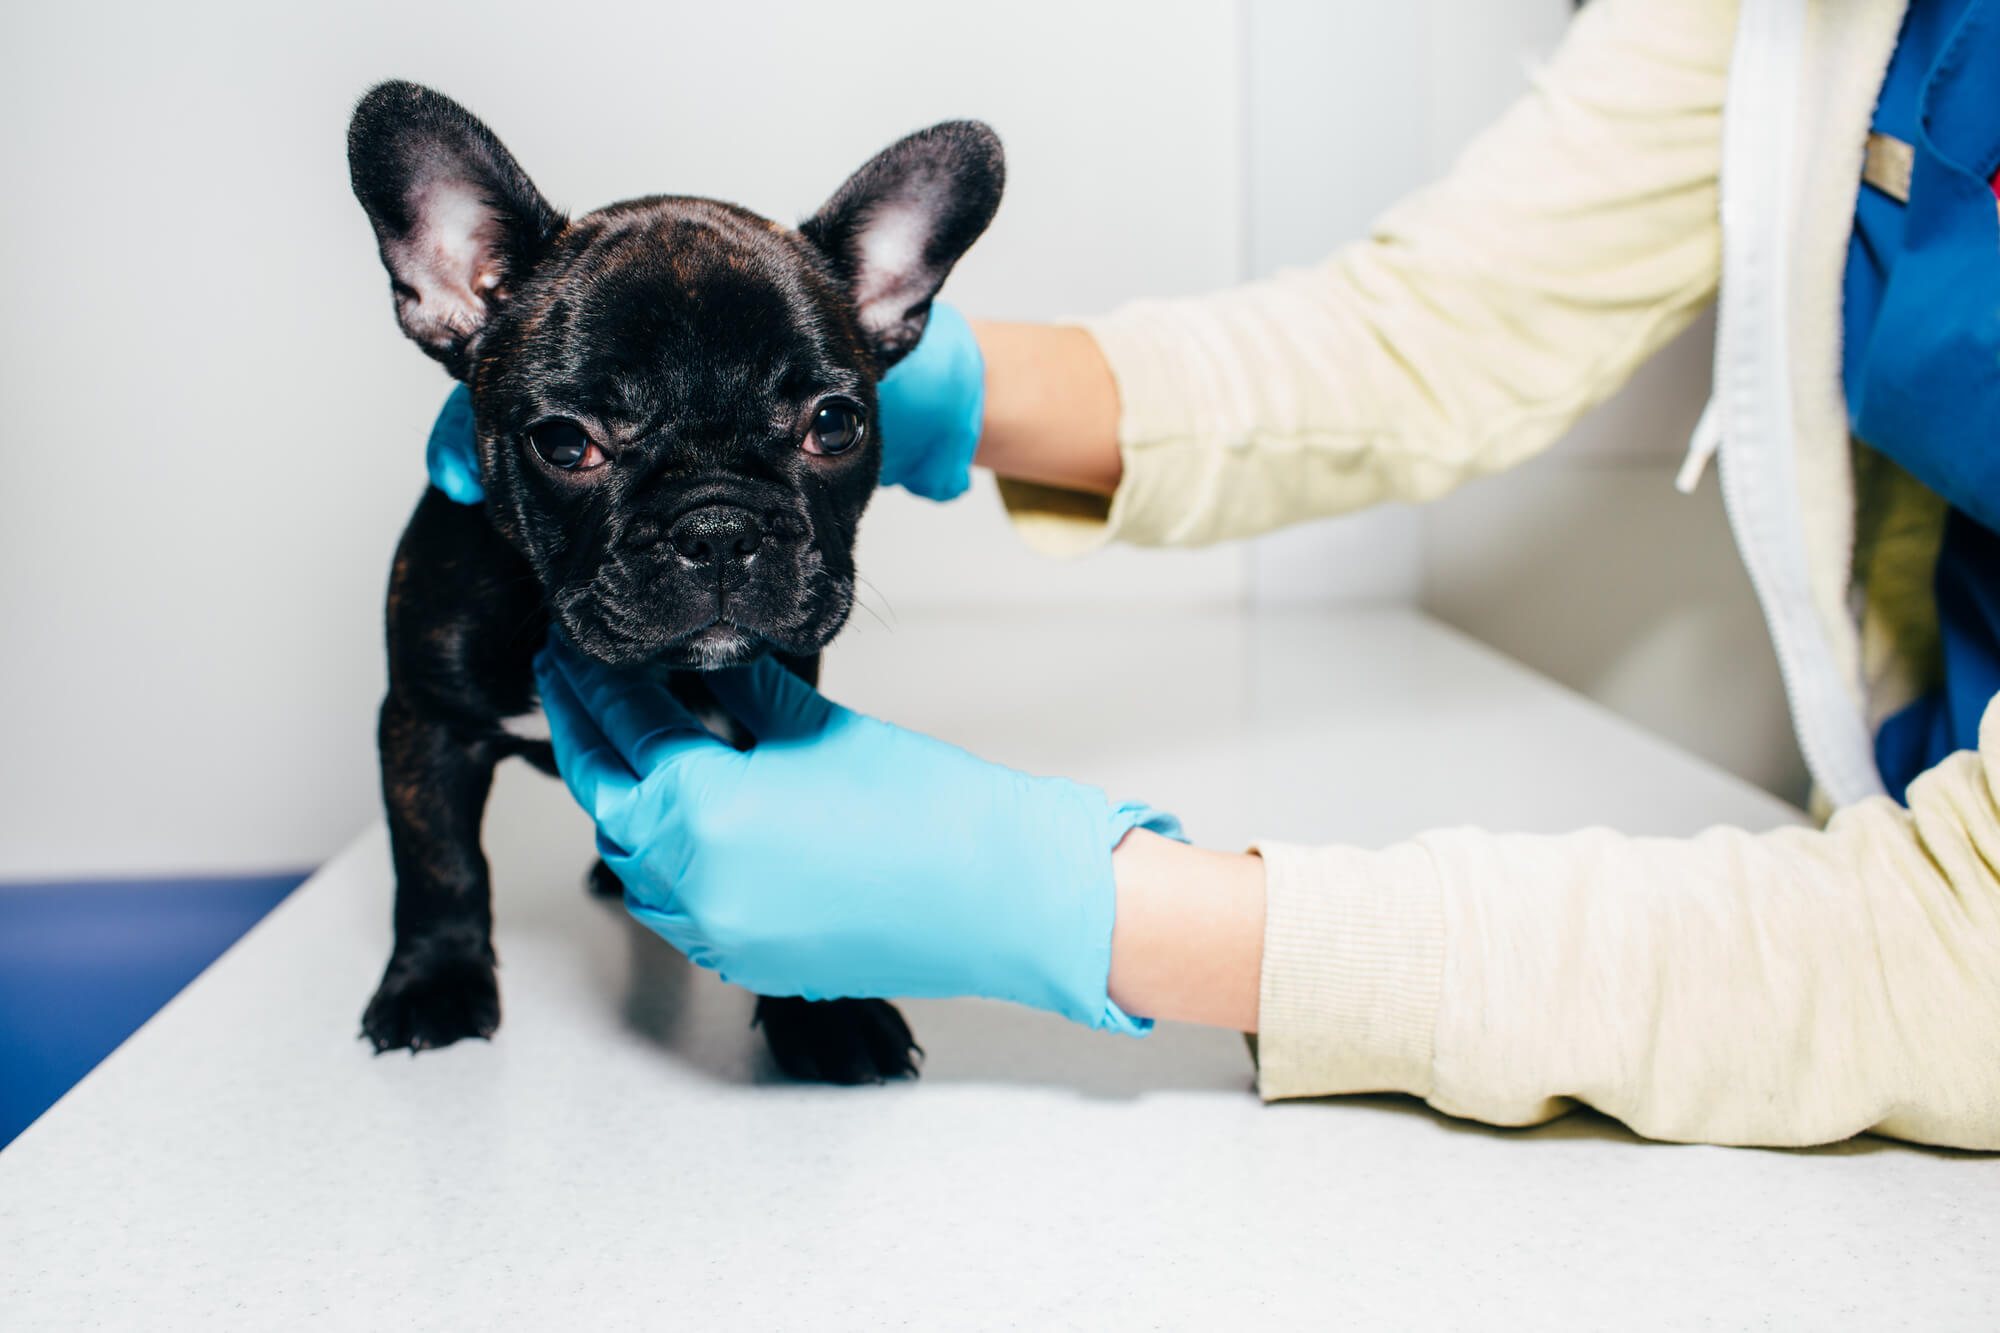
(717, 535)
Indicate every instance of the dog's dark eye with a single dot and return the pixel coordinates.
(836, 428)
(563, 444)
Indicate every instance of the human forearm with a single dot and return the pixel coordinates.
(1478, 320)
(1051, 407)
(1188, 940)
(1785, 988)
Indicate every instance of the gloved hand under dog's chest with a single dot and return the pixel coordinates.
(674, 403)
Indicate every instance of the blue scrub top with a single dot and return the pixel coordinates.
(1921, 353)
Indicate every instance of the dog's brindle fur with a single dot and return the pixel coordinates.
(692, 343)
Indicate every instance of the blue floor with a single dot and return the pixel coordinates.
(83, 964)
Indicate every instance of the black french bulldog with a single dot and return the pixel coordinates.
(675, 407)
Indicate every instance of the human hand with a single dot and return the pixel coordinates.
(452, 453)
(929, 409)
(842, 856)
(931, 406)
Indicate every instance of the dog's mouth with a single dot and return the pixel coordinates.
(646, 625)
(720, 643)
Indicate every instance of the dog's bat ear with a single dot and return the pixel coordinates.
(895, 229)
(458, 221)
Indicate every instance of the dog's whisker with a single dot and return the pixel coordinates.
(877, 614)
(862, 602)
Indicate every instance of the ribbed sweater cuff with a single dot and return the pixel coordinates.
(1353, 966)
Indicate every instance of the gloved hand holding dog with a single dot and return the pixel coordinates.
(841, 856)
(929, 406)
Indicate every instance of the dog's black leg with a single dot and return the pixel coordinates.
(837, 1041)
(601, 882)
(831, 1041)
(463, 624)
(823, 1041)
(439, 986)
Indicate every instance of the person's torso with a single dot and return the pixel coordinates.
(1921, 347)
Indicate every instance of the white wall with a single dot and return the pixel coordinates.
(1349, 106)
(214, 430)
(1586, 564)
(1590, 567)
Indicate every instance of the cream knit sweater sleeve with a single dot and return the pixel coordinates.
(1483, 316)
(1792, 987)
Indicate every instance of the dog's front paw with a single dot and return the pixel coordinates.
(430, 998)
(603, 881)
(837, 1041)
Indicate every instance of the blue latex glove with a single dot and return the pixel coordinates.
(452, 454)
(842, 856)
(931, 406)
